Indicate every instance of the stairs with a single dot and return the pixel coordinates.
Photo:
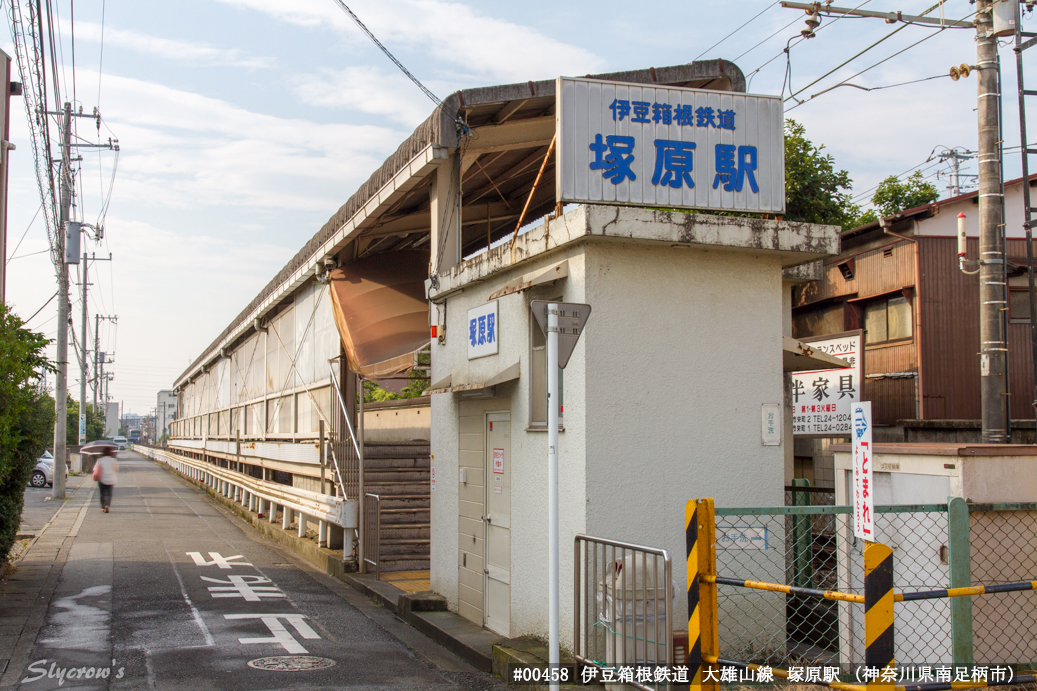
(398, 472)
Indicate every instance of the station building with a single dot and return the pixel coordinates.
(676, 390)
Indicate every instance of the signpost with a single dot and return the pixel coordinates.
(822, 399)
(863, 485)
(670, 147)
(563, 323)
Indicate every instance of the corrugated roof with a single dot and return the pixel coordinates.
(480, 106)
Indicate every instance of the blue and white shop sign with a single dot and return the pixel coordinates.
(639, 145)
(483, 330)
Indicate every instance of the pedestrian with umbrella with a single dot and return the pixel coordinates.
(106, 469)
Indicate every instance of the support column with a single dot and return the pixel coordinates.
(444, 200)
(302, 525)
(322, 533)
(286, 518)
(273, 512)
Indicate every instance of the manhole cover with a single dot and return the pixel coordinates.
(291, 663)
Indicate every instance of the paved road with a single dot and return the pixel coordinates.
(39, 508)
(169, 592)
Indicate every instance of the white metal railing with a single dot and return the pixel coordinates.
(341, 511)
(622, 605)
(346, 453)
(373, 532)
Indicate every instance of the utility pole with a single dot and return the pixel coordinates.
(993, 342)
(993, 346)
(84, 369)
(97, 350)
(61, 385)
(956, 156)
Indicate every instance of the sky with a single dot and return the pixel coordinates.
(243, 125)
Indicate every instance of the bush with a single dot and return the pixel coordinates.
(26, 418)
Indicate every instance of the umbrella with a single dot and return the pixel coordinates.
(99, 447)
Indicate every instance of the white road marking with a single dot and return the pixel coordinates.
(217, 560)
(209, 642)
(247, 587)
(281, 635)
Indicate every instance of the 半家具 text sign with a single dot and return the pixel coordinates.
(643, 145)
(821, 399)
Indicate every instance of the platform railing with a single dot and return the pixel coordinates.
(373, 533)
(622, 605)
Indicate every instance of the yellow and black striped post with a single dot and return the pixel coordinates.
(878, 610)
(703, 638)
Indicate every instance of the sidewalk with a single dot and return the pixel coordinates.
(27, 589)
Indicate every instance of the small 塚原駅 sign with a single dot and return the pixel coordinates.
(821, 399)
(863, 482)
(483, 330)
(659, 146)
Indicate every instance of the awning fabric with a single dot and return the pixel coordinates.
(381, 312)
(446, 385)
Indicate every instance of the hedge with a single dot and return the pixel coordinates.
(26, 418)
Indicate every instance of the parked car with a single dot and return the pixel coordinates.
(43, 473)
(121, 441)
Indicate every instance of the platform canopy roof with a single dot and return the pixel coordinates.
(511, 129)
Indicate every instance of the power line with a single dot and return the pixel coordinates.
(766, 39)
(765, 9)
(15, 251)
(374, 39)
(49, 300)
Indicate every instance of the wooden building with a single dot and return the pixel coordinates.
(920, 313)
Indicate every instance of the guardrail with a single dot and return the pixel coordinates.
(622, 605)
(265, 497)
(373, 532)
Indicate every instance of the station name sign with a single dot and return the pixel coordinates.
(675, 148)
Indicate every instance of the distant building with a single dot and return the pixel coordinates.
(111, 420)
(165, 412)
(920, 315)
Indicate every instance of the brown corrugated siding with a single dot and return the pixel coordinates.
(874, 274)
(950, 336)
(891, 399)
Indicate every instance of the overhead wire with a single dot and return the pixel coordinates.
(757, 16)
(867, 69)
(49, 300)
(34, 217)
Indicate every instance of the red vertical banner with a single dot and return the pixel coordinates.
(863, 484)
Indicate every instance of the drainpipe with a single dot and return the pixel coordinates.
(887, 227)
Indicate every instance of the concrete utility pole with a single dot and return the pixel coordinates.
(992, 285)
(97, 349)
(993, 350)
(83, 369)
(61, 385)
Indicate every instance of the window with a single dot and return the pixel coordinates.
(1019, 305)
(817, 321)
(538, 377)
(888, 319)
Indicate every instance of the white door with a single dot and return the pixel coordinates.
(497, 570)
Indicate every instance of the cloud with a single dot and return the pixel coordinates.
(367, 90)
(475, 46)
(186, 150)
(169, 49)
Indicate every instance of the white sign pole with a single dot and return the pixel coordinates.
(552, 482)
(863, 479)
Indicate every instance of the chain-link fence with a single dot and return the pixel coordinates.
(811, 545)
(1003, 541)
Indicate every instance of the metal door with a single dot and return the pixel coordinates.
(497, 522)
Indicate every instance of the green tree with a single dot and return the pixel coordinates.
(415, 387)
(894, 195)
(26, 417)
(815, 192)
